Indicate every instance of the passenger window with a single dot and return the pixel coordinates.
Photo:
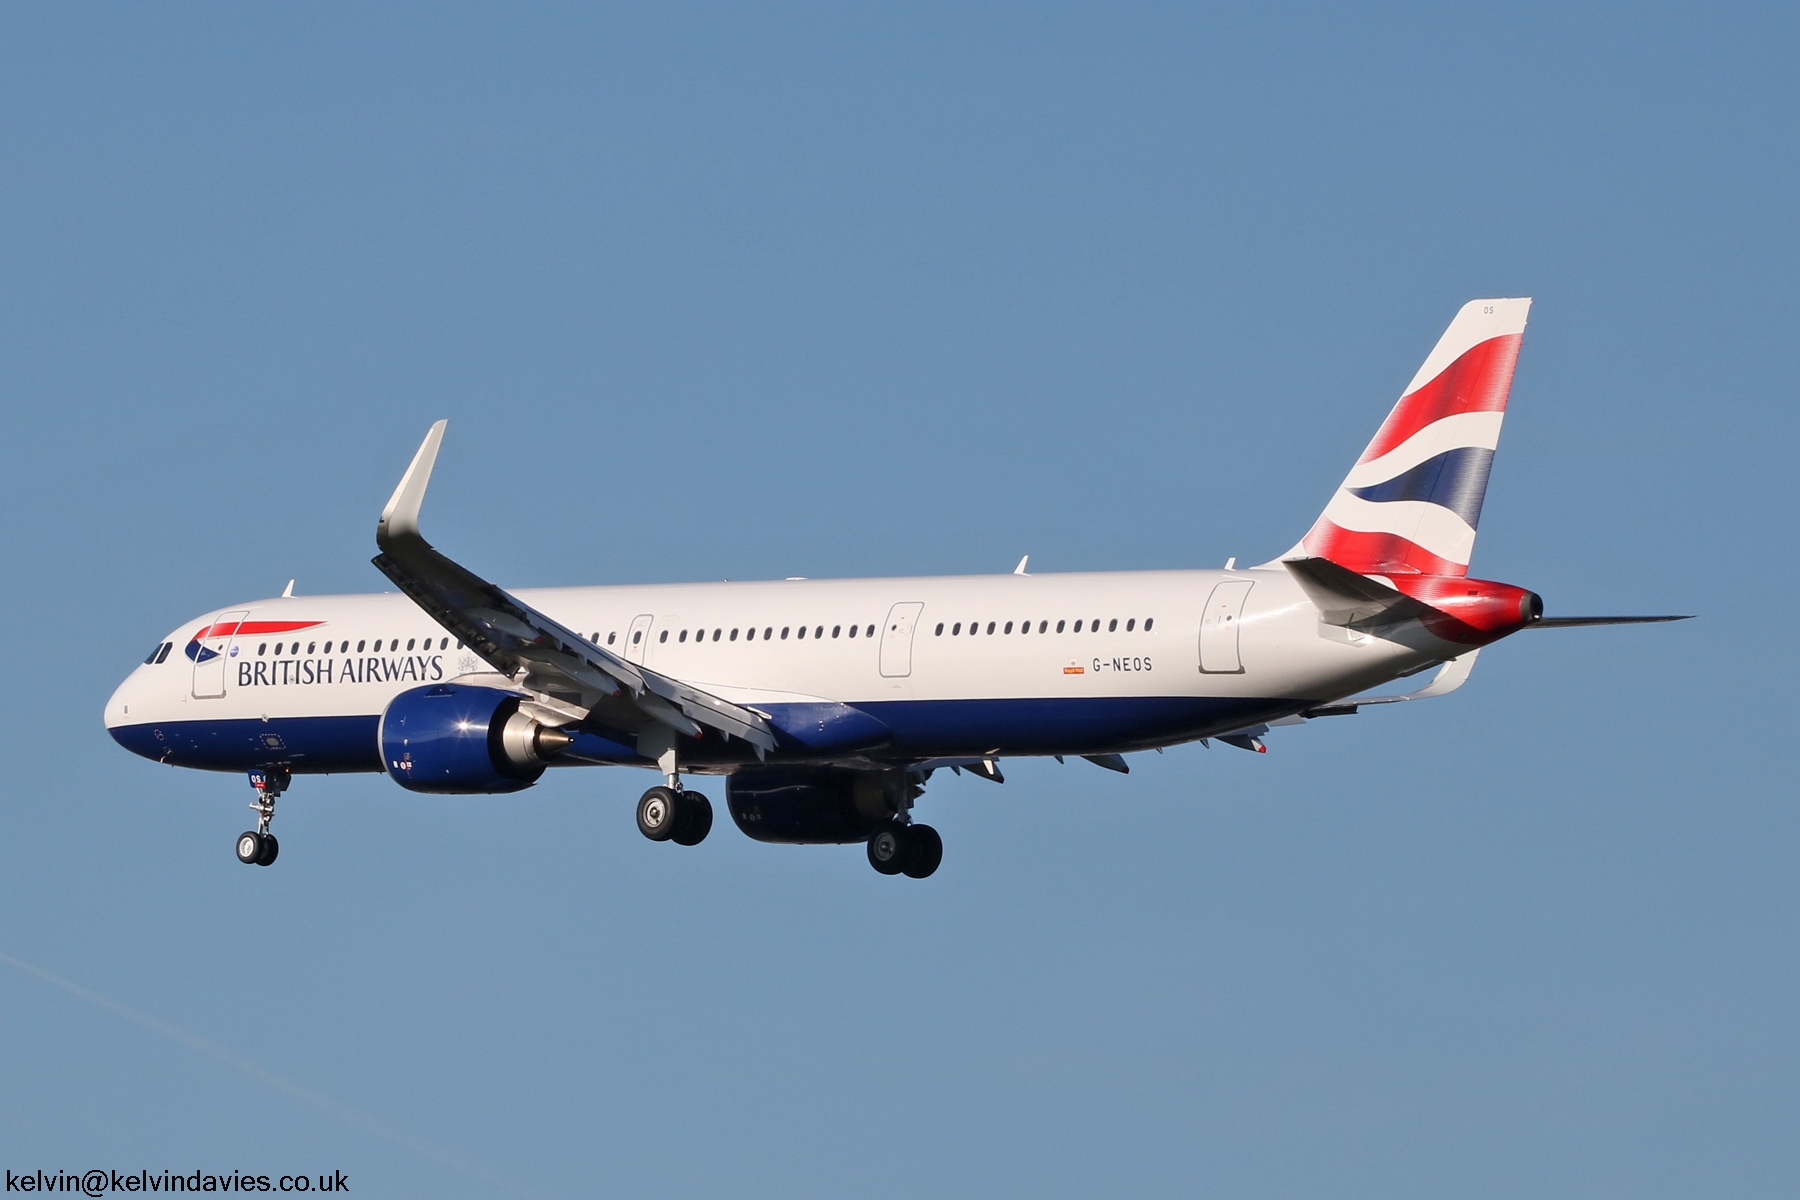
(734, 634)
(278, 649)
(869, 632)
(990, 627)
(767, 631)
(1008, 628)
(1131, 625)
(1078, 627)
(1059, 627)
(1112, 626)
(819, 632)
(443, 643)
(683, 636)
(954, 629)
(1043, 626)
(1148, 622)
(940, 630)
(359, 647)
(262, 649)
(1094, 625)
(784, 632)
(459, 644)
(664, 636)
(802, 631)
(717, 634)
(853, 631)
(311, 646)
(637, 635)
(611, 638)
(328, 647)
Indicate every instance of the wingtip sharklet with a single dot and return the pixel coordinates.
(401, 516)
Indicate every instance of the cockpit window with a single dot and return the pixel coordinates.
(157, 655)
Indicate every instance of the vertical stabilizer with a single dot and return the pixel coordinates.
(1411, 504)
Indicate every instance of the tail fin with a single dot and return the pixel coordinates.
(1411, 504)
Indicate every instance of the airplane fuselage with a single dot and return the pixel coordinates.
(889, 670)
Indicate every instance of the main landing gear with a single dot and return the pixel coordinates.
(911, 850)
(668, 814)
(258, 847)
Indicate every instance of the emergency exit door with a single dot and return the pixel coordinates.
(1219, 628)
(897, 639)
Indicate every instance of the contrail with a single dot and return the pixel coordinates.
(259, 1072)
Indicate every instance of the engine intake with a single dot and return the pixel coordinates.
(457, 740)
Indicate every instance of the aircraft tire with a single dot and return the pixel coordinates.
(249, 847)
(890, 850)
(270, 848)
(659, 814)
(695, 820)
(927, 851)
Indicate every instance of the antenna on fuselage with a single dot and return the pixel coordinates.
(1020, 569)
(287, 593)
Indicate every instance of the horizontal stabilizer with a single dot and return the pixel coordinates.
(1344, 597)
(1448, 678)
(1572, 622)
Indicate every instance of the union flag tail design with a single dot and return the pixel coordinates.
(1411, 504)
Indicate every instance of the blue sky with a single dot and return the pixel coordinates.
(719, 292)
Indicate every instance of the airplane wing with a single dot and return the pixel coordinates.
(568, 676)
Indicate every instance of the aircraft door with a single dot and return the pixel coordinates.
(637, 640)
(211, 651)
(1219, 628)
(897, 638)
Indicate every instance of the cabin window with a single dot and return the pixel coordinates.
(664, 636)
(717, 634)
(683, 636)
(278, 649)
(262, 649)
(990, 627)
(853, 631)
(328, 647)
(1008, 628)
(734, 634)
(954, 629)
(768, 631)
(802, 631)
(1148, 622)
(940, 630)
(1112, 626)
(1131, 625)
(784, 632)
(611, 638)
(637, 635)
(819, 632)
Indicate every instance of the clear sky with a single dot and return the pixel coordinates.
(749, 293)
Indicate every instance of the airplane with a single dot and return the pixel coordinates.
(827, 705)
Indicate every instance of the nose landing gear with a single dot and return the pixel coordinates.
(911, 850)
(258, 847)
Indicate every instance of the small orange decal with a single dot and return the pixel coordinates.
(1074, 670)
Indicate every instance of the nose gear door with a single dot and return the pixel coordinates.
(637, 639)
(1219, 628)
(211, 651)
(897, 639)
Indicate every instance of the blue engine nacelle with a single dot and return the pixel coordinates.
(815, 804)
(459, 740)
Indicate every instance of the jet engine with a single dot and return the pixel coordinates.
(799, 805)
(458, 740)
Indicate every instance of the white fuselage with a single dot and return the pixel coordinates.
(1014, 664)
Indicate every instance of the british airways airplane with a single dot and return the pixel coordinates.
(828, 704)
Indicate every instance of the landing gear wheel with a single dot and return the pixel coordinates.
(659, 814)
(249, 847)
(694, 820)
(890, 850)
(927, 851)
(270, 848)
